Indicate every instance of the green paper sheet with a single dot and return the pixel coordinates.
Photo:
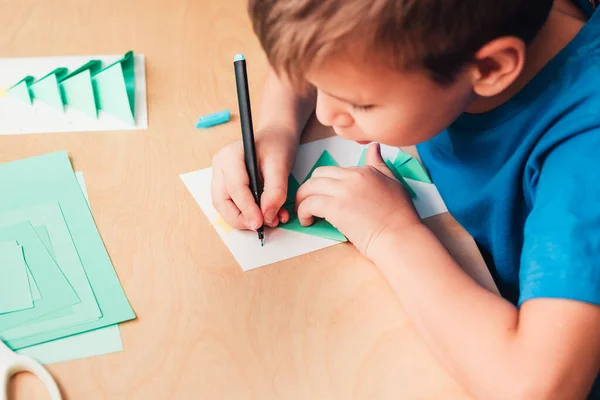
(392, 168)
(78, 92)
(87, 309)
(320, 227)
(401, 159)
(56, 291)
(50, 178)
(325, 160)
(114, 87)
(21, 90)
(413, 170)
(42, 233)
(14, 284)
(87, 344)
(33, 287)
(47, 90)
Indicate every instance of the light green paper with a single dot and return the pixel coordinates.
(21, 90)
(14, 284)
(414, 170)
(87, 309)
(48, 91)
(362, 161)
(54, 287)
(401, 159)
(50, 178)
(320, 227)
(77, 92)
(44, 236)
(33, 287)
(400, 179)
(114, 87)
(88, 344)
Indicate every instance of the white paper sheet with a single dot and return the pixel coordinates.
(17, 117)
(281, 244)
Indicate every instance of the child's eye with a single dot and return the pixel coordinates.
(357, 107)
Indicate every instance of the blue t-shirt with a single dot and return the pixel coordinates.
(524, 179)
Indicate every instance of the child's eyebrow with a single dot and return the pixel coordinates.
(349, 101)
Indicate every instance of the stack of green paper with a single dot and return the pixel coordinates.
(56, 279)
(404, 166)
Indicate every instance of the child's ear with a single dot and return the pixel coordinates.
(497, 65)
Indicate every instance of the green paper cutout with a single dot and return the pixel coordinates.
(14, 284)
(56, 291)
(33, 287)
(320, 226)
(325, 160)
(88, 344)
(93, 66)
(392, 168)
(48, 91)
(292, 189)
(78, 92)
(362, 161)
(50, 178)
(114, 88)
(21, 90)
(414, 170)
(401, 159)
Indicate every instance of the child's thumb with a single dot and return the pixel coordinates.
(374, 159)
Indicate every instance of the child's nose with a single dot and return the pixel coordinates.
(330, 112)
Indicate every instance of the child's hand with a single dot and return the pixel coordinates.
(362, 203)
(231, 195)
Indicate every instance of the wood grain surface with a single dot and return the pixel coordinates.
(322, 326)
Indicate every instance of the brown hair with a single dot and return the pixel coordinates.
(438, 35)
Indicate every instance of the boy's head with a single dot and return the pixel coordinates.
(397, 71)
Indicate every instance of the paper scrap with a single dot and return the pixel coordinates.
(14, 284)
(220, 222)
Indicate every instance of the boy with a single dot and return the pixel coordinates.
(502, 100)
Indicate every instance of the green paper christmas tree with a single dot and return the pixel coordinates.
(88, 89)
(403, 166)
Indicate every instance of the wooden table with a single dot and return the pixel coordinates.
(322, 326)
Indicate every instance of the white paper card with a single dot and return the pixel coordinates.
(281, 244)
(17, 117)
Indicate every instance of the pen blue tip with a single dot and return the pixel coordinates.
(238, 57)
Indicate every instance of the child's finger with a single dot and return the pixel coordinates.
(314, 206)
(236, 182)
(329, 172)
(274, 192)
(374, 159)
(224, 205)
(318, 187)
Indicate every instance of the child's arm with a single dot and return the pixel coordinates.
(548, 350)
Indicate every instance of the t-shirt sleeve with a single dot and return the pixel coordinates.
(561, 247)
